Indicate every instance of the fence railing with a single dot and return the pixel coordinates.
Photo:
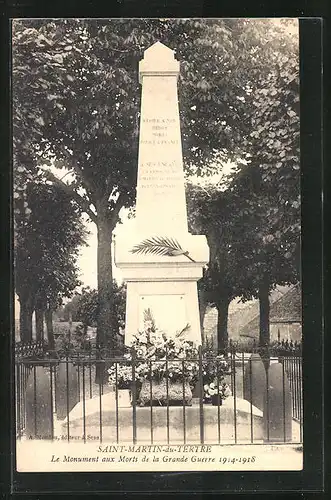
(293, 368)
(71, 397)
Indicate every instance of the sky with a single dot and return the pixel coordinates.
(88, 258)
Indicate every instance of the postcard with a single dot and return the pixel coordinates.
(157, 233)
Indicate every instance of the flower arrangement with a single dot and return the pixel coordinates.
(157, 357)
(215, 367)
(120, 374)
(211, 389)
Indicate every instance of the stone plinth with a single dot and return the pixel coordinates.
(278, 406)
(224, 431)
(254, 385)
(66, 389)
(39, 404)
(167, 285)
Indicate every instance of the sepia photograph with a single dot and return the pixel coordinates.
(157, 244)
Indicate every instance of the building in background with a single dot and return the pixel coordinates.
(244, 320)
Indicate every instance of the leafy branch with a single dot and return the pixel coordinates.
(160, 245)
(186, 328)
(148, 317)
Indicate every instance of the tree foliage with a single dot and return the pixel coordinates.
(84, 306)
(46, 250)
(250, 253)
(253, 224)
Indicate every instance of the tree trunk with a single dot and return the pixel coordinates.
(49, 327)
(107, 327)
(202, 311)
(39, 324)
(222, 323)
(70, 326)
(26, 311)
(264, 290)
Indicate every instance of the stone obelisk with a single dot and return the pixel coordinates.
(165, 284)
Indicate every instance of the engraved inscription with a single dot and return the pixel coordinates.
(160, 175)
(160, 120)
(160, 178)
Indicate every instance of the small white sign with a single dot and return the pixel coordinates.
(168, 311)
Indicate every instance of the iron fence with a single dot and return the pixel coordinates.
(68, 397)
(293, 368)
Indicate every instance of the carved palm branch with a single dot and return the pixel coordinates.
(160, 245)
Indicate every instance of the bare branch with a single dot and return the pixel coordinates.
(84, 204)
(118, 50)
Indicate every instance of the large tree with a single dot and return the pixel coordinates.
(274, 154)
(253, 229)
(84, 306)
(230, 226)
(249, 253)
(76, 103)
(47, 243)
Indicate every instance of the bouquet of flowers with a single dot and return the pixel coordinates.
(215, 368)
(120, 374)
(211, 389)
(158, 356)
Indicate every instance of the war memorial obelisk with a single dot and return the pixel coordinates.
(165, 284)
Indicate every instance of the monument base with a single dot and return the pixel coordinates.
(166, 285)
(172, 304)
(219, 423)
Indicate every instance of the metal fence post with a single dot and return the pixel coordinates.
(134, 396)
(202, 427)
